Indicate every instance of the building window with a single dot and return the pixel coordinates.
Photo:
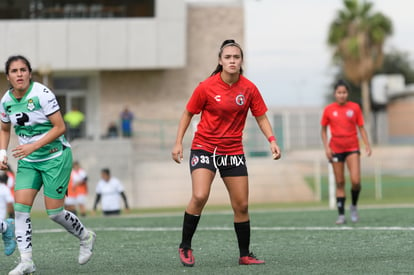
(55, 9)
(70, 83)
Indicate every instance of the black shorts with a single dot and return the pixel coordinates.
(340, 157)
(228, 165)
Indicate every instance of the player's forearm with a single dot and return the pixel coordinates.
(50, 136)
(97, 199)
(324, 137)
(4, 137)
(125, 200)
(364, 136)
(183, 126)
(264, 125)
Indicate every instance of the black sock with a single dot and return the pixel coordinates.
(340, 203)
(189, 227)
(243, 237)
(355, 196)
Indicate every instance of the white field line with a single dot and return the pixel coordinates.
(293, 228)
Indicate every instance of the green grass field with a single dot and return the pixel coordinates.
(394, 189)
(291, 240)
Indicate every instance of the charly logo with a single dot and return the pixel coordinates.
(30, 105)
(59, 190)
(194, 160)
(217, 98)
(240, 100)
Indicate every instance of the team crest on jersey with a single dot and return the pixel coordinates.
(30, 105)
(350, 113)
(194, 161)
(240, 100)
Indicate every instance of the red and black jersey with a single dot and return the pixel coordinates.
(223, 111)
(343, 121)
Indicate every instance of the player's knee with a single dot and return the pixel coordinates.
(200, 199)
(340, 184)
(241, 208)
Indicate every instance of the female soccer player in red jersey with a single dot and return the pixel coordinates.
(223, 100)
(344, 118)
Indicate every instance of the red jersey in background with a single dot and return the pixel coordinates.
(343, 121)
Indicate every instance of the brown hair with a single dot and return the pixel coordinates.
(15, 58)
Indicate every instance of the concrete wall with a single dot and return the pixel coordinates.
(154, 94)
(400, 120)
(101, 43)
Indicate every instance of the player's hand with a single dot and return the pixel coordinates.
(368, 150)
(3, 159)
(23, 151)
(177, 153)
(276, 153)
(3, 165)
(329, 153)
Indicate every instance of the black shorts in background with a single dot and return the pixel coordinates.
(340, 157)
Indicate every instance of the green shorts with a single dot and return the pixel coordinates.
(53, 174)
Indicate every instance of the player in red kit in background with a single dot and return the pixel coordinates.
(223, 100)
(344, 118)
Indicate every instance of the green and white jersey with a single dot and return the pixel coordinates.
(29, 117)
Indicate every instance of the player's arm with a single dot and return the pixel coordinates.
(57, 130)
(4, 143)
(97, 199)
(125, 200)
(266, 129)
(365, 139)
(324, 137)
(177, 151)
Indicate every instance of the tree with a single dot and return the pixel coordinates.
(395, 62)
(357, 35)
(398, 62)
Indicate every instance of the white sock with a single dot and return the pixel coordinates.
(26, 256)
(71, 223)
(23, 225)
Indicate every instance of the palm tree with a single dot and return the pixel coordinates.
(357, 35)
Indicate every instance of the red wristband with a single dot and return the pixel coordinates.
(271, 138)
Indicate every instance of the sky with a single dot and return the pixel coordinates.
(286, 54)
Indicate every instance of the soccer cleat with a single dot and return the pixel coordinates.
(86, 248)
(341, 219)
(354, 213)
(24, 268)
(186, 256)
(9, 238)
(249, 260)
